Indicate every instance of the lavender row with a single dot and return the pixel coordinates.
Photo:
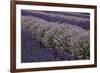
(68, 18)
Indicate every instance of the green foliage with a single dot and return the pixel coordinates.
(51, 42)
(85, 51)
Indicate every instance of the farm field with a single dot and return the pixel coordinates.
(54, 36)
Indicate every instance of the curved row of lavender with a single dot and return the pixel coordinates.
(74, 18)
(54, 36)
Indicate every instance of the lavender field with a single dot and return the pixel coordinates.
(54, 36)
